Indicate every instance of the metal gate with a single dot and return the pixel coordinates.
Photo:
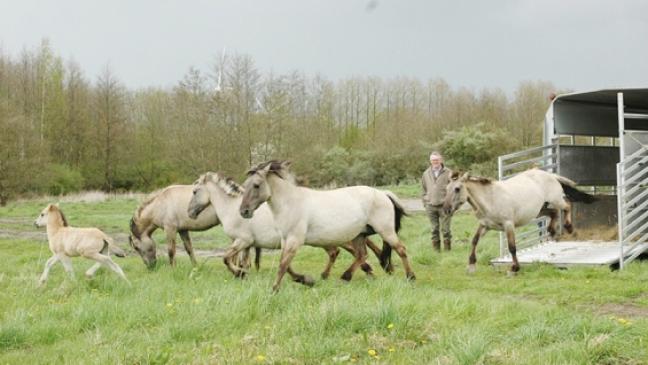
(545, 158)
(632, 188)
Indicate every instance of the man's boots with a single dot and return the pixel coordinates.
(446, 245)
(436, 245)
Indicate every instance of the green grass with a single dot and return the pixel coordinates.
(183, 315)
(404, 190)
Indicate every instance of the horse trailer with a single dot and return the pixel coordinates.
(599, 139)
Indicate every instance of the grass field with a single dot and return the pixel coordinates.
(199, 316)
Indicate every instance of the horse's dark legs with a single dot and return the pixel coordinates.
(510, 238)
(171, 243)
(360, 254)
(392, 240)
(299, 278)
(257, 258)
(232, 252)
(332, 253)
(186, 241)
(288, 251)
(553, 220)
(372, 246)
(472, 259)
(568, 218)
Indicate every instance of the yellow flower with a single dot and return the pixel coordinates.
(390, 326)
(169, 305)
(391, 349)
(353, 359)
(372, 352)
(260, 358)
(623, 321)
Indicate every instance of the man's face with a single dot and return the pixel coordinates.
(436, 161)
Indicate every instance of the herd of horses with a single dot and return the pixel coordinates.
(270, 211)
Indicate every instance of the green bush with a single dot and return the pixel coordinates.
(475, 148)
(63, 179)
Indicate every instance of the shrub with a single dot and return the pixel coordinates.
(63, 179)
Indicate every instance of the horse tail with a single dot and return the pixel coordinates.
(257, 258)
(565, 181)
(399, 213)
(399, 210)
(575, 195)
(110, 246)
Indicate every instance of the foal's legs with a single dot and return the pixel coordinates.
(510, 238)
(67, 265)
(186, 241)
(472, 260)
(48, 265)
(171, 243)
(107, 261)
(91, 271)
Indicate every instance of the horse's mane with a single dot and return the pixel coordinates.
(147, 201)
(480, 180)
(231, 187)
(477, 179)
(60, 212)
(276, 168)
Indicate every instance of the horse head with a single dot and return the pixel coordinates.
(456, 193)
(144, 246)
(200, 195)
(256, 188)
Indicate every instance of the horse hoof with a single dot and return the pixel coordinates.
(324, 275)
(308, 281)
(569, 228)
(346, 276)
(411, 277)
(472, 268)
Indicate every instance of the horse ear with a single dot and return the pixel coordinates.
(267, 168)
(464, 177)
(286, 164)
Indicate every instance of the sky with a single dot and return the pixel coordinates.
(576, 44)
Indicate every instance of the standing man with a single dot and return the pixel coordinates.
(435, 179)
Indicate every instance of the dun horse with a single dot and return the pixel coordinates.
(224, 195)
(323, 218)
(167, 208)
(505, 205)
(66, 242)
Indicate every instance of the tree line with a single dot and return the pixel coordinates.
(62, 131)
